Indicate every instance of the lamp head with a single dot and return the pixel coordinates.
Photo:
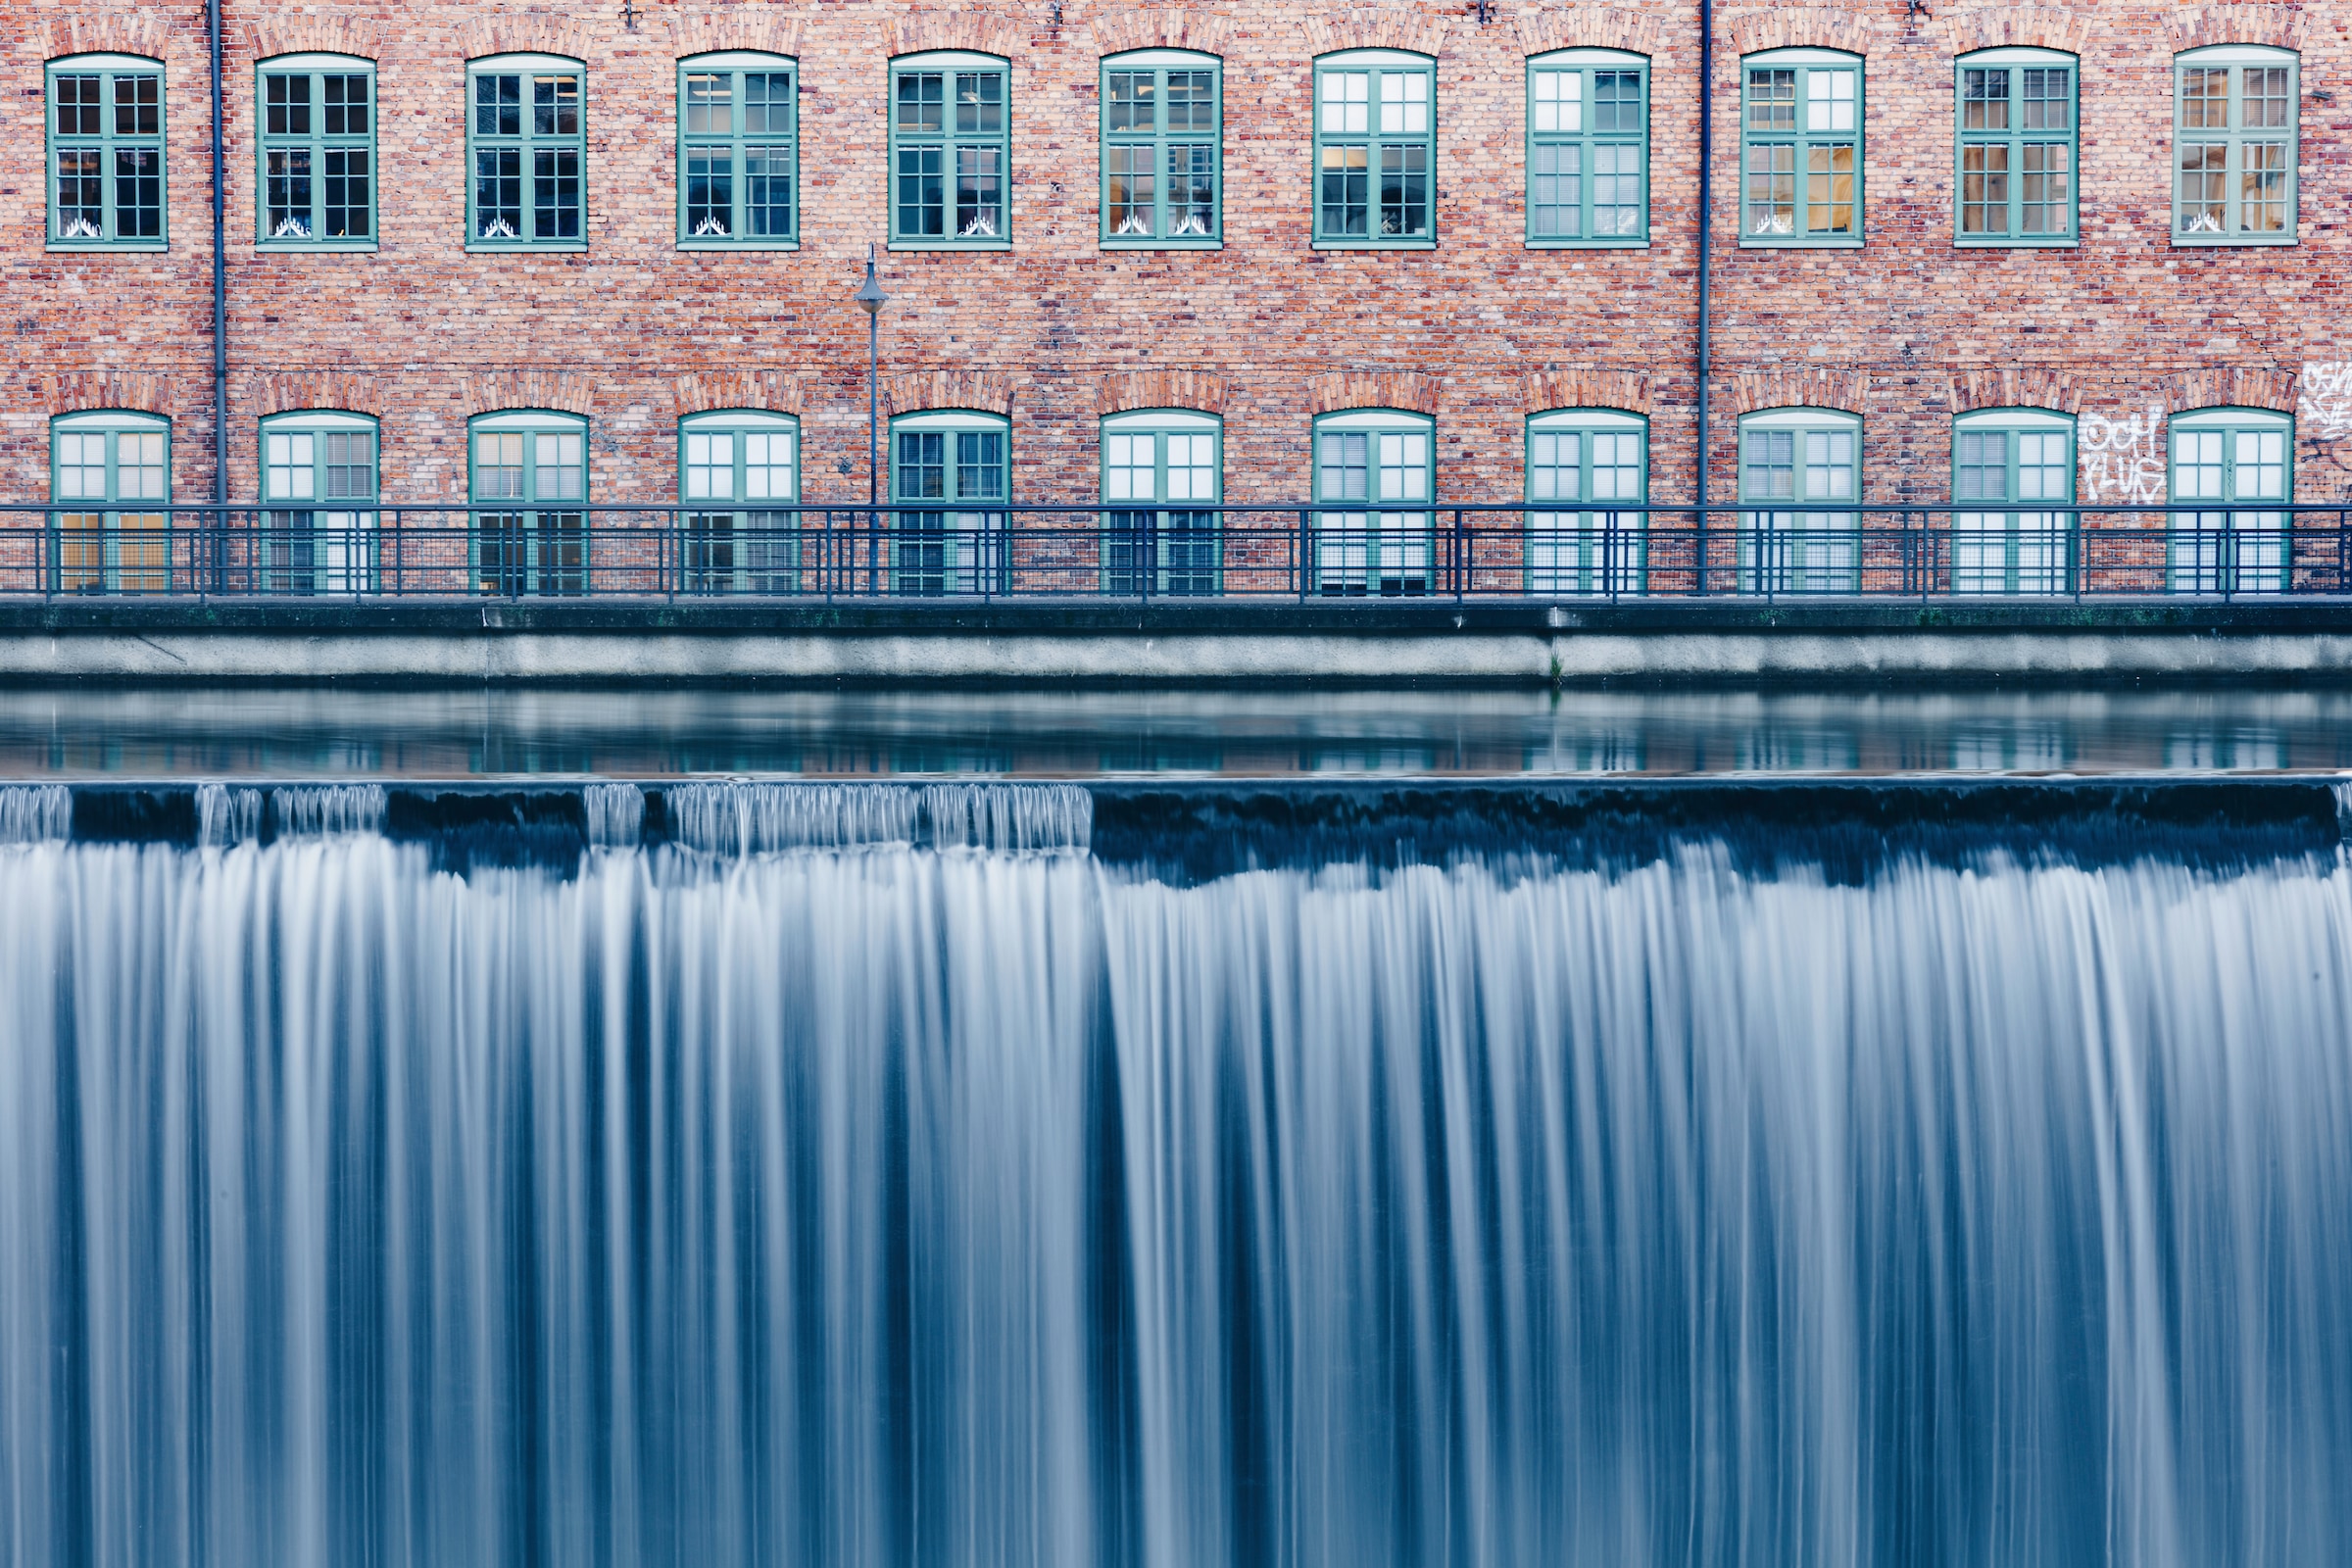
(870, 296)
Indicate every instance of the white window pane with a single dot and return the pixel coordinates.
(698, 449)
(1830, 100)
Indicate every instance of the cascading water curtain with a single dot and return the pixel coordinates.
(899, 1204)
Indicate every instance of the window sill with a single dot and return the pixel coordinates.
(1999, 242)
(1618, 243)
(950, 245)
(1759, 242)
(296, 247)
(2207, 242)
(739, 244)
(557, 247)
(1110, 244)
(99, 247)
(1430, 244)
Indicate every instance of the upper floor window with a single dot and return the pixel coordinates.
(1800, 136)
(110, 476)
(2233, 119)
(529, 481)
(527, 138)
(319, 477)
(1577, 457)
(1162, 113)
(317, 152)
(950, 475)
(2016, 140)
(1156, 460)
(2231, 457)
(1789, 457)
(1369, 459)
(738, 154)
(2003, 460)
(737, 468)
(1376, 149)
(106, 153)
(951, 151)
(1588, 148)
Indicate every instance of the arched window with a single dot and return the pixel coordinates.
(2016, 147)
(748, 457)
(2002, 456)
(1800, 139)
(950, 478)
(1153, 462)
(1162, 113)
(312, 460)
(2233, 162)
(738, 151)
(2232, 456)
(1369, 459)
(1790, 457)
(1582, 456)
(528, 481)
(106, 153)
(110, 476)
(950, 152)
(527, 143)
(1376, 149)
(1588, 148)
(317, 148)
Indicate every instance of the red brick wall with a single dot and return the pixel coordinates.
(635, 331)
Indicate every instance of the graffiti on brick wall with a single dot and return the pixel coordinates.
(2123, 457)
(2323, 410)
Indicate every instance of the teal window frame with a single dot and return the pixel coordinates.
(957, 151)
(1369, 153)
(1574, 545)
(1389, 553)
(107, 542)
(1996, 149)
(1576, 93)
(529, 520)
(748, 155)
(1153, 462)
(107, 137)
(1786, 548)
(1172, 149)
(728, 471)
(534, 177)
(2247, 151)
(951, 499)
(310, 459)
(2003, 461)
(1814, 124)
(326, 155)
(2245, 544)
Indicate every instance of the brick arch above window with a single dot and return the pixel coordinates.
(1374, 26)
(982, 391)
(1162, 28)
(565, 391)
(306, 33)
(1203, 390)
(80, 391)
(987, 32)
(2016, 387)
(771, 391)
(760, 30)
(2278, 26)
(111, 32)
(1846, 390)
(1586, 386)
(1796, 27)
(529, 33)
(1540, 31)
(1999, 26)
(2223, 387)
(286, 391)
(1372, 389)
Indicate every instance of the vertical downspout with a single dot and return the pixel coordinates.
(212, 18)
(1707, 224)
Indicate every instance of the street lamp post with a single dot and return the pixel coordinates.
(870, 299)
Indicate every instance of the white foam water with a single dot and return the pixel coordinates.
(749, 817)
(34, 813)
(902, 1206)
(307, 809)
(226, 815)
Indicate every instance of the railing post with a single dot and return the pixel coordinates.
(1298, 555)
(1462, 562)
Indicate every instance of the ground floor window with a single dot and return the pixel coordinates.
(1153, 460)
(109, 476)
(950, 480)
(308, 544)
(1367, 462)
(1788, 457)
(2230, 456)
(739, 469)
(2012, 456)
(529, 488)
(1586, 454)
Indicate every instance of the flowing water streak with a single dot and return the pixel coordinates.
(305, 810)
(884, 1205)
(746, 818)
(30, 813)
(227, 814)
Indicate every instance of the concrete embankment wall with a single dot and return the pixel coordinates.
(1093, 641)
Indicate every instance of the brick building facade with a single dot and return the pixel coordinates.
(2126, 325)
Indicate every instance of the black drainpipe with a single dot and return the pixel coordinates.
(1706, 223)
(212, 20)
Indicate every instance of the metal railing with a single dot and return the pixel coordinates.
(1298, 552)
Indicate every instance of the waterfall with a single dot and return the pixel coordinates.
(33, 813)
(803, 1191)
(313, 808)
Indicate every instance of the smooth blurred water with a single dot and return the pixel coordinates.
(882, 1202)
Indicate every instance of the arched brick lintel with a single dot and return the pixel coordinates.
(1584, 386)
(1200, 390)
(1342, 390)
(1848, 391)
(1796, 27)
(983, 391)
